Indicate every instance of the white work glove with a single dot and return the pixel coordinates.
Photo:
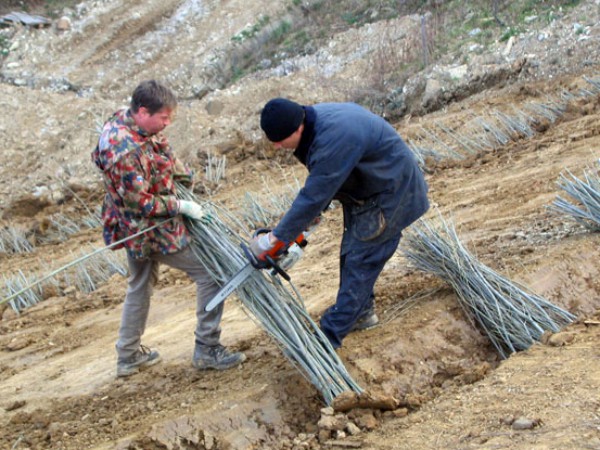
(192, 210)
(261, 244)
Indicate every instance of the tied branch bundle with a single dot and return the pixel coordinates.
(269, 303)
(583, 201)
(510, 315)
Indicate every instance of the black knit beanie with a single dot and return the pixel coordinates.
(280, 118)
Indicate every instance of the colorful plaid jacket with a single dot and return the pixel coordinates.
(139, 173)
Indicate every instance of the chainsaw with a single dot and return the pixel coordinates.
(279, 259)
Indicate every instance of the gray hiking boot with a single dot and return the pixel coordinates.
(142, 358)
(216, 357)
(366, 321)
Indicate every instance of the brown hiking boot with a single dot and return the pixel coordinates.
(216, 357)
(142, 358)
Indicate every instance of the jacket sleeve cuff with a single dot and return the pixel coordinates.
(171, 205)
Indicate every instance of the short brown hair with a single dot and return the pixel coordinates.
(153, 96)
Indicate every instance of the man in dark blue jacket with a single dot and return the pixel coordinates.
(356, 157)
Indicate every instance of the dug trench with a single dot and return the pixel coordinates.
(57, 360)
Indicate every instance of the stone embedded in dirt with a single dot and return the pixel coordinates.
(15, 405)
(332, 423)
(352, 429)
(523, 423)
(557, 339)
(328, 411)
(18, 343)
(63, 24)
(349, 400)
(367, 421)
(396, 413)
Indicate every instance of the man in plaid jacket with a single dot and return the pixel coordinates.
(139, 171)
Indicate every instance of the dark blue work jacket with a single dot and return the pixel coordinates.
(357, 157)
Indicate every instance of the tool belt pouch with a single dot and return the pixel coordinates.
(367, 220)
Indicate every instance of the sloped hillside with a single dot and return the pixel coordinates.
(57, 361)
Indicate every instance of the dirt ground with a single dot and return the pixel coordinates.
(57, 361)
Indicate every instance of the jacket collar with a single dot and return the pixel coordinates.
(125, 118)
(308, 135)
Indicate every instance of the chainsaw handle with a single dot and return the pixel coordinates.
(274, 251)
(281, 247)
(268, 262)
(269, 257)
(260, 231)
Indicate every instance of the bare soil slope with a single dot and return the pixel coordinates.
(57, 360)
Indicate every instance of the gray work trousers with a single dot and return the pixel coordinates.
(143, 274)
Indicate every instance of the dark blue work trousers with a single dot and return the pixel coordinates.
(361, 263)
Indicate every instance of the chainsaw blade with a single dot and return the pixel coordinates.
(230, 286)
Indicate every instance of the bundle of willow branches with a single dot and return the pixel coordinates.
(585, 193)
(510, 316)
(269, 303)
(14, 240)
